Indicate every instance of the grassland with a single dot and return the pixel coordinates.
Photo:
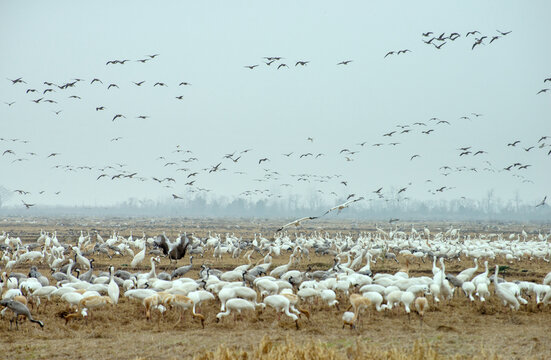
(456, 329)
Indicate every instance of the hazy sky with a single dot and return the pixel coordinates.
(272, 111)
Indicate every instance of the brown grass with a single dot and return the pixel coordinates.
(316, 350)
(457, 329)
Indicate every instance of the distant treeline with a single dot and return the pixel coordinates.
(490, 209)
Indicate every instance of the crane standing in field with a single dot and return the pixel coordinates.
(19, 309)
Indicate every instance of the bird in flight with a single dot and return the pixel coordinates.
(414, 156)
(282, 65)
(28, 206)
(18, 80)
(389, 53)
(343, 206)
(263, 159)
(174, 196)
(539, 92)
(542, 202)
(472, 33)
(250, 66)
(118, 116)
(303, 63)
(139, 83)
(297, 222)
(504, 33)
(100, 108)
(112, 85)
(345, 62)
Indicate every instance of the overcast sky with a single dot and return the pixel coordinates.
(230, 108)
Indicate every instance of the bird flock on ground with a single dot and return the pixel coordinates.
(185, 170)
(255, 287)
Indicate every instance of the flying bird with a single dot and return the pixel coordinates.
(297, 222)
(250, 66)
(414, 156)
(118, 116)
(542, 202)
(343, 206)
(263, 159)
(539, 92)
(112, 85)
(345, 62)
(504, 33)
(28, 206)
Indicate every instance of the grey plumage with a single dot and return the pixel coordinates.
(182, 270)
(19, 309)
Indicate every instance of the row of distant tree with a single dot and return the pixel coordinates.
(490, 208)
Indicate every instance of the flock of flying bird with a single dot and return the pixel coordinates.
(181, 164)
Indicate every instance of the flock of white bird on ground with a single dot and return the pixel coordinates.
(258, 287)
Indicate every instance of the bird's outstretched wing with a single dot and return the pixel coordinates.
(342, 206)
(296, 222)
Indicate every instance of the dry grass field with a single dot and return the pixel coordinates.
(455, 329)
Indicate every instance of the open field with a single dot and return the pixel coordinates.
(457, 327)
